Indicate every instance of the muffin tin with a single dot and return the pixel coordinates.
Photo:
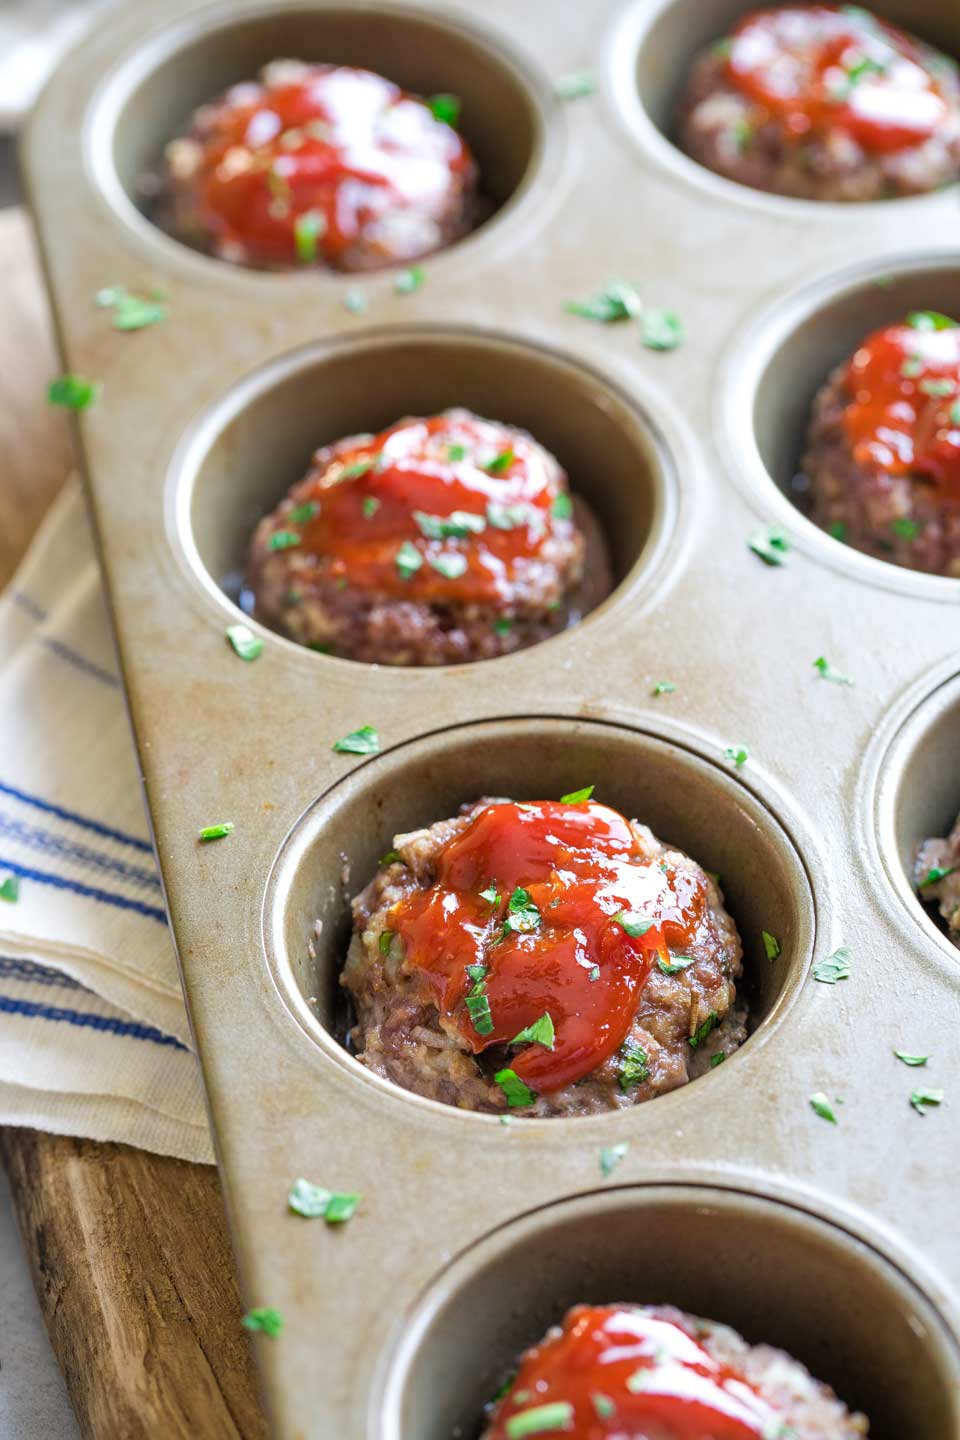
(734, 1200)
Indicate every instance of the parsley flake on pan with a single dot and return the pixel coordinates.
(827, 672)
(771, 944)
(10, 889)
(920, 1099)
(663, 687)
(243, 641)
(577, 797)
(216, 832)
(633, 925)
(130, 312)
(821, 1106)
(661, 329)
(264, 1320)
(935, 874)
(913, 1060)
(73, 392)
(556, 1415)
(513, 1087)
(575, 85)
(541, 1032)
(632, 1064)
(835, 967)
(445, 108)
(616, 301)
(407, 281)
(314, 1203)
(771, 546)
(738, 754)
(364, 741)
(610, 1157)
(355, 301)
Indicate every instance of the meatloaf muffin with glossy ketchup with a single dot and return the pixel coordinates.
(650, 1372)
(438, 541)
(549, 957)
(319, 165)
(937, 877)
(882, 465)
(824, 102)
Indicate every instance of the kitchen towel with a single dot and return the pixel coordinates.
(94, 1038)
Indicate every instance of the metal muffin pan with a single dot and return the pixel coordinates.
(733, 1199)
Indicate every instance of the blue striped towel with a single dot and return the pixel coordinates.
(94, 1037)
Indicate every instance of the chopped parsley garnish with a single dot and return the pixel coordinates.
(771, 944)
(408, 560)
(359, 467)
(456, 526)
(717, 1059)
(955, 413)
(562, 507)
(616, 301)
(661, 329)
(633, 925)
(674, 966)
(835, 967)
(391, 857)
(307, 230)
(864, 65)
(385, 941)
(355, 301)
(407, 281)
(664, 687)
(131, 312)
(451, 567)
(500, 462)
(935, 874)
(738, 754)
(603, 1406)
(575, 85)
(742, 134)
(10, 889)
(503, 625)
(364, 741)
(73, 392)
(770, 545)
(703, 1030)
(216, 832)
(541, 1032)
(477, 1000)
(283, 540)
(490, 894)
(264, 1320)
(541, 1420)
(827, 672)
(245, 644)
(821, 1106)
(522, 914)
(594, 972)
(930, 320)
(370, 506)
(838, 530)
(610, 1157)
(913, 1060)
(632, 1064)
(920, 1099)
(938, 388)
(301, 514)
(476, 973)
(445, 108)
(577, 797)
(456, 452)
(314, 1203)
(513, 1087)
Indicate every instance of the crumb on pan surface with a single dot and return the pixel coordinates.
(824, 102)
(941, 857)
(441, 540)
(674, 1022)
(609, 1369)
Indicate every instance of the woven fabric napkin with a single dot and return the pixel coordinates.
(94, 1038)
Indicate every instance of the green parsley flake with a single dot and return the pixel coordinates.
(355, 301)
(541, 1032)
(717, 1059)
(610, 1157)
(633, 925)
(456, 526)
(838, 530)
(935, 874)
(920, 1099)
(771, 546)
(938, 388)
(456, 452)
(827, 672)
(577, 797)
(490, 894)
(906, 528)
(477, 1001)
(522, 914)
(314, 1203)
(364, 741)
(742, 134)
(511, 517)
(930, 320)
(500, 463)
(408, 560)
(632, 1064)
(307, 230)
(821, 1106)
(385, 941)
(513, 1087)
(912, 367)
(562, 507)
(407, 281)
(594, 972)
(245, 644)
(575, 86)
(663, 687)
(10, 889)
(771, 944)
(131, 312)
(674, 966)
(603, 1406)
(835, 967)
(616, 301)
(264, 1320)
(370, 506)
(216, 832)
(503, 625)
(283, 540)
(702, 1031)
(73, 392)
(955, 413)
(451, 567)
(661, 329)
(913, 1060)
(302, 514)
(391, 857)
(738, 754)
(359, 467)
(445, 108)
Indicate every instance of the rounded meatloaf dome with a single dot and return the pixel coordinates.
(937, 877)
(882, 464)
(824, 102)
(547, 957)
(319, 165)
(438, 541)
(650, 1372)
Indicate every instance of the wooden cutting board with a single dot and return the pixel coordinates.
(129, 1252)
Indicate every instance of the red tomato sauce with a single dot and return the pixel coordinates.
(821, 68)
(383, 494)
(544, 934)
(904, 410)
(614, 1369)
(341, 146)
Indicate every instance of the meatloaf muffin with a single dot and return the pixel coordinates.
(651, 1372)
(937, 877)
(438, 541)
(882, 465)
(319, 165)
(824, 102)
(548, 957)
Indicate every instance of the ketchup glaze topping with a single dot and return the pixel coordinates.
(446, 509)
(818, 68)
(614, 1369)
(548, 909)
(903, 414)
(296, 169)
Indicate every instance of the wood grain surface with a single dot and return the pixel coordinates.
(129, 1252)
